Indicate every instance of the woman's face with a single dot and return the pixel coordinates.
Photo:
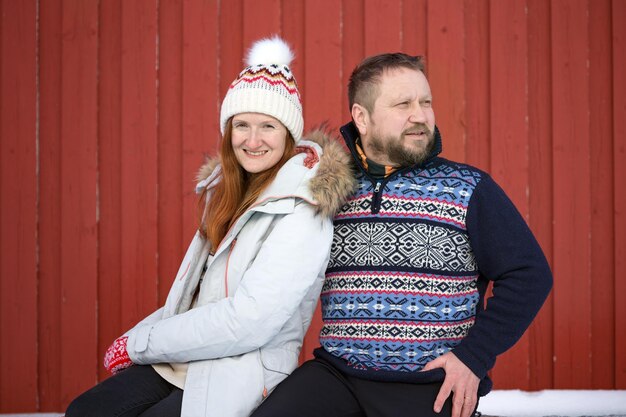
(258, 141)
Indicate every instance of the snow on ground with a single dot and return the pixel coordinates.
(516, 403)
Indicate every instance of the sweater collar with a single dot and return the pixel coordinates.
(375, 169)
(350, 135)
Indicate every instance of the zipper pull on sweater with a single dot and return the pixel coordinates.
(376, 197)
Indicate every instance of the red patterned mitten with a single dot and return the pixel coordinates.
(116, 357)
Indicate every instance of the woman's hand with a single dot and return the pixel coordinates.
(116, 357)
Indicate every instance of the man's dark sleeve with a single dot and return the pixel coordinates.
(508, 254)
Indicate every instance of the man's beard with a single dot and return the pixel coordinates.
(398, 153)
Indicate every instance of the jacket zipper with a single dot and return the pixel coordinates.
(230, 229)
(230, 251)
(232, 243)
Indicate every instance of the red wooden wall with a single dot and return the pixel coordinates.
(107, 108)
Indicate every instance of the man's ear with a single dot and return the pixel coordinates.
(361, 118)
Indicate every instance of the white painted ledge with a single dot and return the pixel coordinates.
(516, 403)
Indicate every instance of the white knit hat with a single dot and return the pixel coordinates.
(266, 86)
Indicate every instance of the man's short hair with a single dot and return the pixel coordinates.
(364, 81)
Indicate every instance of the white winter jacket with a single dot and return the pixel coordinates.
(258, 294)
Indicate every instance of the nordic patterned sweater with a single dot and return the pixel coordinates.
(411, 259)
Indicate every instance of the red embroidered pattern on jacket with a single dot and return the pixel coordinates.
(311, 156)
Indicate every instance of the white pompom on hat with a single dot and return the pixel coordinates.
(266, 86)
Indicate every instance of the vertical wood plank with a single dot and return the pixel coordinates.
(352, 50)
(261, 19)
(138, 295)
(78, 197)
(18, 198)
(200, 101)
(323, 64)
(414, 27)
(171, 239)
(602, 255)
(539, 181)
(477, 87)
(388, 36)
(571, 150)
(231, 47)
(446, 73)
(619, 173)
(110, 233)
(49, 230)
(509, 147)
(292, 24)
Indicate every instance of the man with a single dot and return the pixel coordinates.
(406, 331)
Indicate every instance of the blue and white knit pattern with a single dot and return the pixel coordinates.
(400, 288)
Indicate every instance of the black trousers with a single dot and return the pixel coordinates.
(136, 391)
(319, 389)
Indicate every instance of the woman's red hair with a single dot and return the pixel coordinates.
(234, 190)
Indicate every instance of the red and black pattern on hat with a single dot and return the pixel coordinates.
(274, 75)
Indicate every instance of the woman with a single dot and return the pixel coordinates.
(233, 323)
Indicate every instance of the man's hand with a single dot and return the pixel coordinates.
(460, 380)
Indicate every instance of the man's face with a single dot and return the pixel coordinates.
(400, 130)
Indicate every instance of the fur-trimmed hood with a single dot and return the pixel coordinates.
(333, 181)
